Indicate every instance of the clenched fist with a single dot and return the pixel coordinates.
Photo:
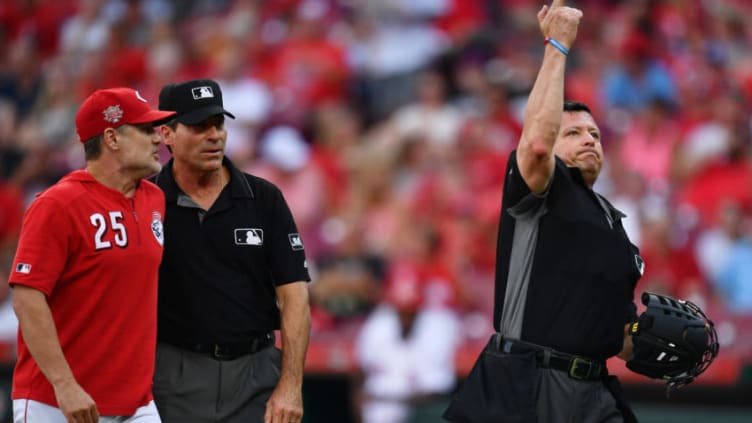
(560, 22)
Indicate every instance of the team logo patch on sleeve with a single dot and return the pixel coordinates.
(23, 268)
(295, 242)
(156, 227)
(249, 236)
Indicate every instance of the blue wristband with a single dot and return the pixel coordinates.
(558, 45)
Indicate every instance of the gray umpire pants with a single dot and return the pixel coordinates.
(561, 399)
(196, 388)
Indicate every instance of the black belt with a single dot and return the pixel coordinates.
(229, 351)
(577, 367)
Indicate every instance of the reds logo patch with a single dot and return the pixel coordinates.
(113, 114)
(156, 227)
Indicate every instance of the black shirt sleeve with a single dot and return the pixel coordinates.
(287, 258)
(515, 188)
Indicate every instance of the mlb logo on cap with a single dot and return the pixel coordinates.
(194, 101)
(202, 92)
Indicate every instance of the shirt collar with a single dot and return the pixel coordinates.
(238, 184)
(576, 175)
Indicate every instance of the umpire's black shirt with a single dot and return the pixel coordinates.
(566, 257)
(220, 266)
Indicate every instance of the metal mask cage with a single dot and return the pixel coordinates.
(685, 310)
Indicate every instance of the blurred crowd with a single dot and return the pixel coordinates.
(388, 123)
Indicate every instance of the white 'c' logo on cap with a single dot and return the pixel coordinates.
(138, 96)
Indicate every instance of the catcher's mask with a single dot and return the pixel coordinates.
(673, 340)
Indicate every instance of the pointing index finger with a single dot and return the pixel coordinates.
(557, 3)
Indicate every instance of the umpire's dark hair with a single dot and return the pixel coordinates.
(93, 147)
(576, 106)
(172, 124)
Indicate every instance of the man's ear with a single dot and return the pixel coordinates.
(110, 139)
(168, 135)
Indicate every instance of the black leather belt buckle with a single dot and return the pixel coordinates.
(580, 368)
(222, 353)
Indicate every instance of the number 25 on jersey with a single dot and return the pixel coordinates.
(115, 223)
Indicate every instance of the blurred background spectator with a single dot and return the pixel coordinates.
(388, 123)
(405, 351)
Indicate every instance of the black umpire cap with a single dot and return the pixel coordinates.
(194, 100)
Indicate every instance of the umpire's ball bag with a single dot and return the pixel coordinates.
(499, 389)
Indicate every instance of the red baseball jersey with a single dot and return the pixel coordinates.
(95, 253)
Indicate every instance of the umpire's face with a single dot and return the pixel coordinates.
(579, 144)
(200, 146)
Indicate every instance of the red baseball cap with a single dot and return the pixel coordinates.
(404, 286)
(113, 107)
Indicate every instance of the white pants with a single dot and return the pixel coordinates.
(30, 411)
(385, 411)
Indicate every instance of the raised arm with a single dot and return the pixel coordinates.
(535, 156)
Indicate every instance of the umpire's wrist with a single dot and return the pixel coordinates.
(557, 45)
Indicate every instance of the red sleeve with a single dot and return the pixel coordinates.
(43, 247)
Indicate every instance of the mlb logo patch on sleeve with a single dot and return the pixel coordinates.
(23, 268)
(295, 242)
